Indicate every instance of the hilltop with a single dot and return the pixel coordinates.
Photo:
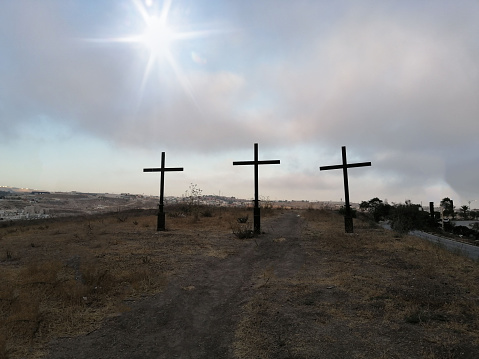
(110, 286)
(25, 204)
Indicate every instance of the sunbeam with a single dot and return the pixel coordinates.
(157, 36)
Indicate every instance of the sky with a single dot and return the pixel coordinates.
(92, 92)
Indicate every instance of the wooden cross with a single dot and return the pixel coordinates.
(348, 218)
(256, 213)
(162, 170)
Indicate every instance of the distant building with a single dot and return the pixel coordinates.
(34, 210)
(40, 192)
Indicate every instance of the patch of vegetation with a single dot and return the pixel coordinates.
(243, 219)
(407, 217)
(342, 211)
(242, 230)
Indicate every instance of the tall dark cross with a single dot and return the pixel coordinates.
(162, 170)
(348, 218)
(256, 213)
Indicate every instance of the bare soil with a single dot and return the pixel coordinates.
(198, 313)
(302, 289)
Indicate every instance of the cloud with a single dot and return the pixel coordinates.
(389, 83)
(371, 78)
(396, 82)
(382, 81)
(198, 58)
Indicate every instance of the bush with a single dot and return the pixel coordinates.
(242, 230)
(378, 209)
(242, 219)
(207, 212)
(342, 211)
(407, 217)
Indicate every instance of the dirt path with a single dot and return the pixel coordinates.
(197, 315)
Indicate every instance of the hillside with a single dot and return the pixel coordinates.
(110, 286)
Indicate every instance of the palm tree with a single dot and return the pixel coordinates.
(464, 211)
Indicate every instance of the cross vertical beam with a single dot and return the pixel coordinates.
(161, 214)
(255, 163)
(348, 218)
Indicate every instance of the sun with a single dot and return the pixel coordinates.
(158, 36)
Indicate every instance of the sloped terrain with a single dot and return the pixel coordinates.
(113, 288)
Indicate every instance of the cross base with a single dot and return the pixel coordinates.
(161, 220)
(256, 217)
(348, 224)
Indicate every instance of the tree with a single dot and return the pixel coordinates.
(474, 214)
(378, 209)
(192, 199)
(364, 206)
(465, 211)
(407, 217)
(193, 195)
(448, 206)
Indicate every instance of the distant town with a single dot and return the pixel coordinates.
(27, 204)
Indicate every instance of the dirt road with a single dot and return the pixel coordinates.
(198, 314)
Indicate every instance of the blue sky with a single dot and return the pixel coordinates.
(397, 82)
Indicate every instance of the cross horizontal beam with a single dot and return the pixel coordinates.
(266, 162)
(349, 165)
(177, 169)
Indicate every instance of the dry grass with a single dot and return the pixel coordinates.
(386, 294)
(370, 294)
(63, 277)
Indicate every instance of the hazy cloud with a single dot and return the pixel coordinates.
(397, 82)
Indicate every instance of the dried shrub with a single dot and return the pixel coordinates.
(41, 272)
(243, 230)
(207, 212)
(242, 219)
(96, 277)
(72, 292)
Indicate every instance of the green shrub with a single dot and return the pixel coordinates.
(407, 217)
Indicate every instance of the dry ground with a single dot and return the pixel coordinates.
(303, 289)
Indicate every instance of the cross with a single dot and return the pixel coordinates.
(162, 170)
(256, 212)
(348, 218)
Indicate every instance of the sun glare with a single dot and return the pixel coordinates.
(157, 36)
